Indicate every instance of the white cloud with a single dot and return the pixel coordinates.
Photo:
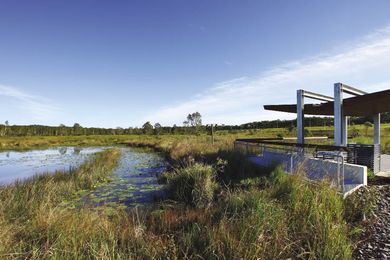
(364, 64)
(39, 108)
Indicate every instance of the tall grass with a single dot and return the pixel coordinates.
(26, 206)
(315, 217)
(228, 210)
(194, 185)
(286, 217)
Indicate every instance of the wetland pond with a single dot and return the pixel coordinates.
(133, 182)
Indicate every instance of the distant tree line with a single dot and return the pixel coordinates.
(308, 121)
(192, 125)
(147, 128)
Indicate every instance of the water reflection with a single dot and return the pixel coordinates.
(20, 165)
(134, 180)
(77, 150)
(62, 150)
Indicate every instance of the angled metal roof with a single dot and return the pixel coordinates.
(364, 105)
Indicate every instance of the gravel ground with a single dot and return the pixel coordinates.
(374, 243)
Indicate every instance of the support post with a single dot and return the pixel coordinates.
(300, 116)
(344, 128)
(377, 143)
(338, 114)
(377, 129)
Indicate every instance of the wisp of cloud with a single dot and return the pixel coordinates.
(40, 108)
(364, 64)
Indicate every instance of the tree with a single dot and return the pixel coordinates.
(77, 129)
(367, 125)
(62, 129)
(195, 119)
(6, 124)
(147, 128)
(354, 132)
(291, 128)
(189, 119)
(119, 131)
(174, 129)
(157, 128)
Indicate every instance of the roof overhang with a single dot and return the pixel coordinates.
(364, 105)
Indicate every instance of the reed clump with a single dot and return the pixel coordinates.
(315, 216)
(194, 185)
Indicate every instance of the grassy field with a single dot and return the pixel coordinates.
(220, 207)
(362, 135)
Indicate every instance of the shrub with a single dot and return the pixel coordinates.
(354, 132)
(308, 132)
(194, 185)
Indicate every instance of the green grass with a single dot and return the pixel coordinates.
(191, 144)
(195, 185)
(28, 209)
(316, 217)
(30, 142)
(285, 217)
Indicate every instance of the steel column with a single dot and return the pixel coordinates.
(300, 116)
(339, 119)
(377, 128)
(344, 128)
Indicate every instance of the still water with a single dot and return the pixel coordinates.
(133, 182)
(21, 165)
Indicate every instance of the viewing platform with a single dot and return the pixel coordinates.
(344, 164)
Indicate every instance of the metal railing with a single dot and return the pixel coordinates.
(326, 155)
(299, 153)
(251, 148)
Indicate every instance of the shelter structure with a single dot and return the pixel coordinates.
(345, 164)
(360, 104)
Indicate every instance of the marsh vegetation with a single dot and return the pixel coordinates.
(218, 206)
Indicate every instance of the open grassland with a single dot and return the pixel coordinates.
(221, 207)
(360, 134)
(30, 142)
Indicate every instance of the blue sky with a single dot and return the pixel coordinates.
(121, 63)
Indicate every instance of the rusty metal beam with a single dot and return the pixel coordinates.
(364, 105)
